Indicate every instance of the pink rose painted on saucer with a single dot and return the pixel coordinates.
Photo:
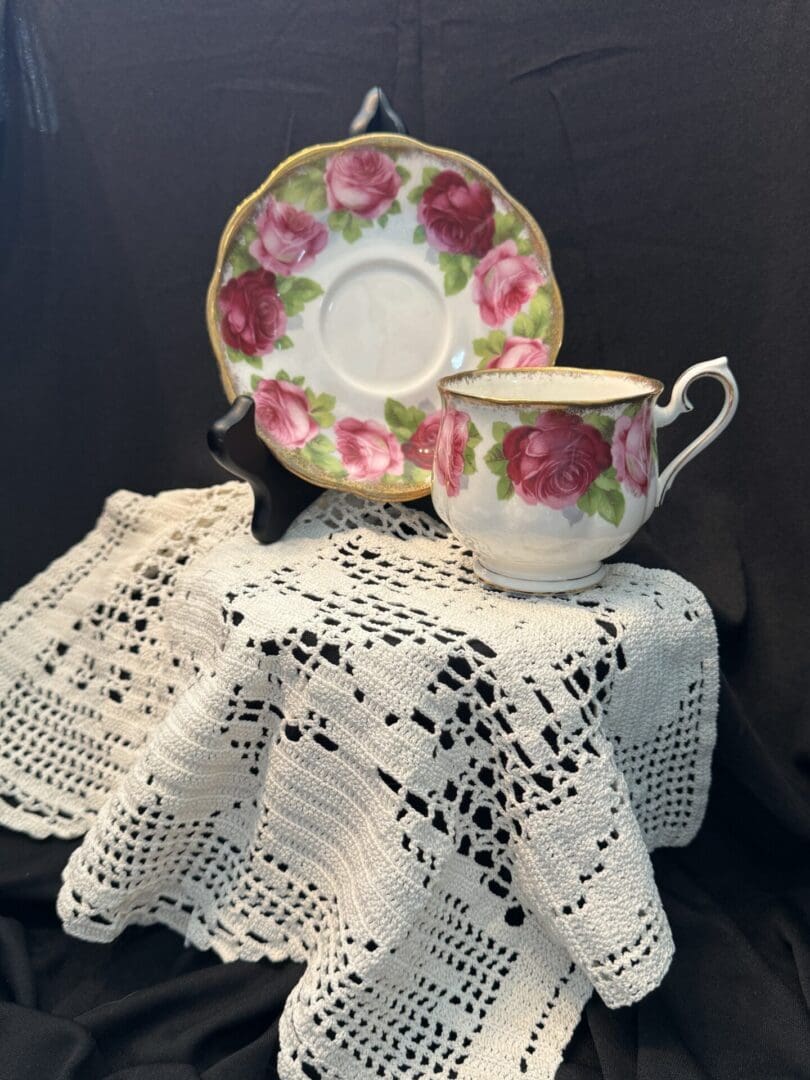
(556, 460)
(504, 281)
(253, 316)
(422, 239)
(632, 450)
(367, 449)
(421, 445)
(282, 411)
(458, 216)
(521, 352)
(287, 239)
(450, 446)
(364, 182)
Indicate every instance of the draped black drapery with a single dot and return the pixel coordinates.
(664, 150)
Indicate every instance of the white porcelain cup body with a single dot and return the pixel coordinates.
(545, 472)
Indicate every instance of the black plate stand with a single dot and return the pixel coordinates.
(278, 495)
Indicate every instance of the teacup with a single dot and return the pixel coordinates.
(545, 472)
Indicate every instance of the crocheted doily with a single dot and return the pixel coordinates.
(341, 749)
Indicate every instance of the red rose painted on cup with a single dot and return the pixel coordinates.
(558, 488)
(555, 461)
(448, 462)
(287, 239)
(365, 182)
(367, 449)
(420, 447)
(282, 411)
(632, 450)
(504, 281)
(522, 352)
(253, 317)
(457, 216)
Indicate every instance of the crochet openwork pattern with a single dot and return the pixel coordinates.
(342, 749)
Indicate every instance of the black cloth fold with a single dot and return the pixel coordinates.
(143, 1008)
(664, 150)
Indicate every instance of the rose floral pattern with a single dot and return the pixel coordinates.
(364, 182)
(421, 445)
(565, 460)
(632, 450)
(283, 411)
(367, 449)
(253, 317)
(458, 216)
(504, 281)
(474, 242)
(454, 456)
(287, 239)
(555, 460)
(519, 352)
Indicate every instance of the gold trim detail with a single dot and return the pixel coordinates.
(243, 211)
(537, 595)
(375, 492)
(654, 387)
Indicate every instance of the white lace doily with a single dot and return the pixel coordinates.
(343, 750)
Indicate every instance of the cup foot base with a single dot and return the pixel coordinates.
(536, 586)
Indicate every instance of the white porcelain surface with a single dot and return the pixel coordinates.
(560, 471)
(358, 275)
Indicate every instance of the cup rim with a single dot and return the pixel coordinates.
(446, 386)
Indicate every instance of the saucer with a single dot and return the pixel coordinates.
(358, 275)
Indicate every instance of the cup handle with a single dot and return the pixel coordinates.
(679, 403)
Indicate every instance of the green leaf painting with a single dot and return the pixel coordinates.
(473, 439)
(321, 452)
(338, 220)
(457, 270)
(352, 231)
(296, 293)
(500, 430)
(296, 380)
(394, 208)
(237, 357)
(412, 474)
(349, 225)
(495, 461)
(606, 501)
(507, 227)
(403, 420)
(535, 321)
(429, 174)
(305, 187)
(603, 424)
(504, 489)
(489, 347)
(241, 260)
(320, 407)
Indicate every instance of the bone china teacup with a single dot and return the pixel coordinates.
(544, 472)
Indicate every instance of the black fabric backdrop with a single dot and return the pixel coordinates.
(664, 149)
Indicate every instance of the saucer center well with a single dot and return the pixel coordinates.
(384, 326)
